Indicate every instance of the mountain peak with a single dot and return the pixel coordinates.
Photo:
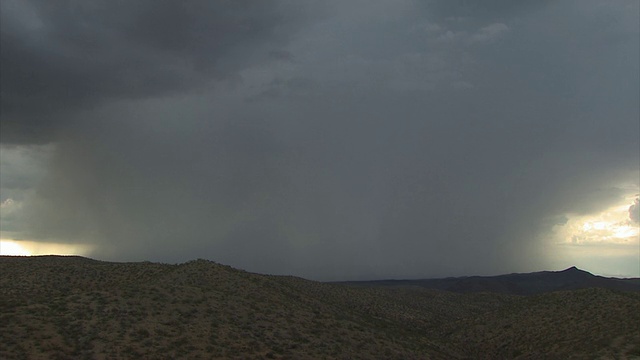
(575, 273)
(572, 269)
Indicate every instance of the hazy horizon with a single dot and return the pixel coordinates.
(19, 249)
(324, 139)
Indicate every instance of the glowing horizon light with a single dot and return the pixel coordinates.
(625, 232)
(607, 241)
(13, 248)
(601, 225)
(611, 226)
(34, 248)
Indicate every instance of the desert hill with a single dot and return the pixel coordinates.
(72, 307)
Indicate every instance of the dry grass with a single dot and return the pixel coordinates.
(74, 308)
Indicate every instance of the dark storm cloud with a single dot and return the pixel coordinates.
(390, 139)
(63, 56)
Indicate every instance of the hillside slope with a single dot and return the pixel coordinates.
(72, 307)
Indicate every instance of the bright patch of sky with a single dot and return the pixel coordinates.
(606, 242)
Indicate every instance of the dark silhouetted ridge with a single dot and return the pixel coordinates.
(518, 284)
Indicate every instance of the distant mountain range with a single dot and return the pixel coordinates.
(515, 284)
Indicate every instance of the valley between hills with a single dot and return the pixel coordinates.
(69, 307)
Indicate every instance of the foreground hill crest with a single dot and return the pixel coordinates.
(73, 307)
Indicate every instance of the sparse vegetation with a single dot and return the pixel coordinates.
(72, 307)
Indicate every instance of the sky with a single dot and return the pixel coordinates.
(333, 140)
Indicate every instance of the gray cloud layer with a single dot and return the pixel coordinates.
(69, 55)
(378, 139)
